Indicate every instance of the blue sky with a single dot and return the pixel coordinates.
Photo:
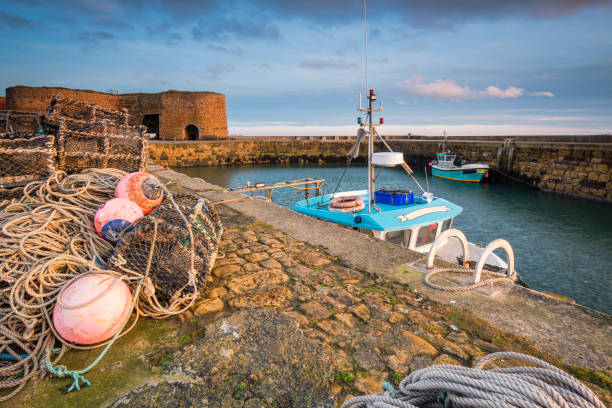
(471, 67)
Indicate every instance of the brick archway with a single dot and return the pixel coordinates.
(191, 132)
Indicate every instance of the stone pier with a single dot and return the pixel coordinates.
(578, 166)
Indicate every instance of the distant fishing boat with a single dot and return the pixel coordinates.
(445, 167)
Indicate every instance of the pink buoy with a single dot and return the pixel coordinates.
(115, 216)
(92, 308)
(142, 188)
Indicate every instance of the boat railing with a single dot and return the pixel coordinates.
(266, 191)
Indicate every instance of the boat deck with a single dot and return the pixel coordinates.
(390, 217)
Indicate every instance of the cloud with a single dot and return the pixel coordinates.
(221, 48)
(432, 15)
(165, 32)
(449, 89)
(222, 29)
(328, 63)
(94, 38)
(510, 92)
(542, 93)
(216, 70)
(14, 21)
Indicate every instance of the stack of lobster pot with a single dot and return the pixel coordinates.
(89, 136)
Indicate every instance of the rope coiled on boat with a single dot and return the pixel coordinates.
(446, 386)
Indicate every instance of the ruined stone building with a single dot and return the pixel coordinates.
(170, 115)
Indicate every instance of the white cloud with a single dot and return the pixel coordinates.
(542, 93)
(510, 92)
(449, 89)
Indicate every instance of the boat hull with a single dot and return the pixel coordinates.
(471, 174)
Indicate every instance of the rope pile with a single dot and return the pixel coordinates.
(497, 277)
(446, 386)
(47, 240)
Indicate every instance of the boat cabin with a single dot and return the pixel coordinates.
(417, 238)
(446, 159)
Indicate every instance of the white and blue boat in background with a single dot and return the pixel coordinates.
(444, 167)
(399, 217)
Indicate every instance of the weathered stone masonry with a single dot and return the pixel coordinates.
(575, 168)
(173, 115)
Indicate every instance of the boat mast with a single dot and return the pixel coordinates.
(369, 119)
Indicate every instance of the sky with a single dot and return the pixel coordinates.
(472, 67)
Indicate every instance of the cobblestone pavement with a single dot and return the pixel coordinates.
(372, 330)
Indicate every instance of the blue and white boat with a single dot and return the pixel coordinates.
(400, 217)
(444, 167)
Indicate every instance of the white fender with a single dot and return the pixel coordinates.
(454, 233)
(493, 245)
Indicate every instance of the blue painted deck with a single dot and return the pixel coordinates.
(391, 217)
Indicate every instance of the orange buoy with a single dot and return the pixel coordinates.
(92, 308)
(115, 216)
(142, 188)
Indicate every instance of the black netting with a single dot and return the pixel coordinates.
(164, 233)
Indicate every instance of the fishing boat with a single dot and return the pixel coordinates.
(400, 217)
(444, 167)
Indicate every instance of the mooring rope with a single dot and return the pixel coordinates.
(446, 386)
(498, 277)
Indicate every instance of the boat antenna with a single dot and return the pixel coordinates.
(365, 38)
(426, 179)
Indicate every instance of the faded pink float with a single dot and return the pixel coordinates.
(97, 321)
(114, 216)
(141, 188)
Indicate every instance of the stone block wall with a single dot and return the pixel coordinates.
(579, 169)
(215, 153)
(37, 99)
(176, 109)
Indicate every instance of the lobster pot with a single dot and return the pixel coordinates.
(164, 234)
(65, 108)
(81, 150)
(25, 158)
(24, 123)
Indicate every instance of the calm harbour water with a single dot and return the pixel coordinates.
(561, 244)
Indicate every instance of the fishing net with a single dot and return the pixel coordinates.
(176, 245)
(47, 239)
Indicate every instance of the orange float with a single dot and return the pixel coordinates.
(92, 308)
(142, 188)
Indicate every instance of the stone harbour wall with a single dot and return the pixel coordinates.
(575, 168)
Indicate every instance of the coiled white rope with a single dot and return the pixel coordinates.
(447, 386)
